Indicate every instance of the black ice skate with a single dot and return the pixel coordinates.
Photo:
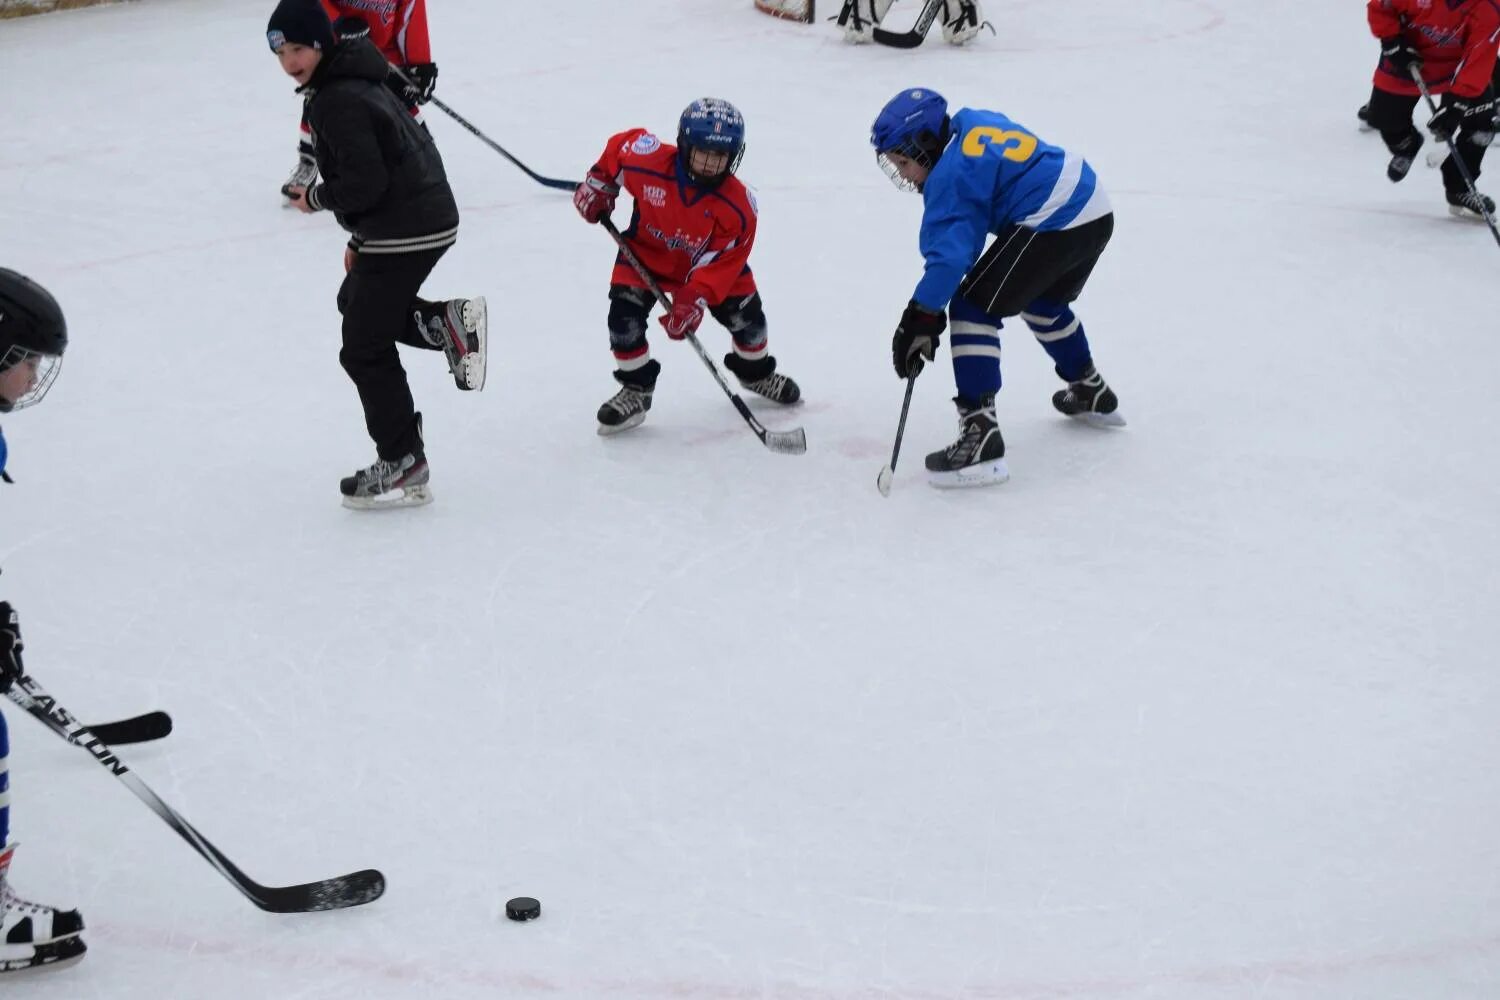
(1401, 159)
(1091, 400)
(33, 936)
(398, 483)
(304, 175)
(977, 458)
(761, 378)
(1363, 114)
(462, 331)
(625, 409)
(1470, 205)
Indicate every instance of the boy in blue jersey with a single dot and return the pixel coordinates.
(33, 336)
(981, 174)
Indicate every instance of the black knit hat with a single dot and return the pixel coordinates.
(301, 22)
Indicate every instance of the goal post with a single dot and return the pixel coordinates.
(792, 10)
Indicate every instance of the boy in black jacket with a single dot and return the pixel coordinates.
(384, 181)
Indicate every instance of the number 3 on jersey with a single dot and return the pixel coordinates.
(1014, 145)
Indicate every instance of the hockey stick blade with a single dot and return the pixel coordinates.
(887, 474)
(913, 38)
(792, 442)
(353, 889)
(136, 729)
(883, 481)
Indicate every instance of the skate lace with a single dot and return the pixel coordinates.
(626, 401)
(11, 903)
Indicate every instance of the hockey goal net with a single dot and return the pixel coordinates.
(792, 10)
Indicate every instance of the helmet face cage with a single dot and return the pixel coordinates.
(714, 126)
(913, 124)
(44, 368)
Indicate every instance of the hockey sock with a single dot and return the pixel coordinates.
(976, 350)
(1061, 336)
(4, 783)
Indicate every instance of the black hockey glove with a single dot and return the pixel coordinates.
(1401, 54)
(1472, 114)
(423, 77)
(10, 647)
(916, 338)
(348, 28)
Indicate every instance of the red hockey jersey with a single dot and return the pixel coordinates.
(397, 27)
(683, 233)
(1457, 40)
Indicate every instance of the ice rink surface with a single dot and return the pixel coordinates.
(1198, 710)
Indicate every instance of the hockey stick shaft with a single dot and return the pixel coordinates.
(349, 890)
(910, 39)
(793, 442)
(883, 481)
(551, 182)
(1458, 161)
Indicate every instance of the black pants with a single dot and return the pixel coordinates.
(377, 300)
(1391, 114)
(1023, 265)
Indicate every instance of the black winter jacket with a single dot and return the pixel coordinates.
(382, 176)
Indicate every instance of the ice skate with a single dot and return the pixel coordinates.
(462, 331)
(1091, 400)
(304, 175)
(761, 378)
(625, 409)
(1363, 114)
(977, 458)
(33, 936)
(398, 483)
(1402, 157)
(1470, 205)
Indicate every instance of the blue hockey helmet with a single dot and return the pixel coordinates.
(913, 124)
(714, 126)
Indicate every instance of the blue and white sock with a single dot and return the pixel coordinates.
(1061, 335)
(976, 350)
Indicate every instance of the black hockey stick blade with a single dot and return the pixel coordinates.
(353, 889)
(910, 39)
(136, 729)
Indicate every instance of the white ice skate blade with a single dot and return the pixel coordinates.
(1100, 419)
(1464, 214)
(984, 474)
(634, 420)
(412, 496)
(16, 961)
(477, 321)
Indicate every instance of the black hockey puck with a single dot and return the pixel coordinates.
(523, 908)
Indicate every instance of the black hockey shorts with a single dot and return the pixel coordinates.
(1023, 265)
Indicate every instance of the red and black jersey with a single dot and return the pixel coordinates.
(685, 234)
(1456, 39)
(397, 27)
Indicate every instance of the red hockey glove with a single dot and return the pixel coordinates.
(595, 195)
(685, 315)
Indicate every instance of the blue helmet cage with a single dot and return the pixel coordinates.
(913, 124)
(716, 126)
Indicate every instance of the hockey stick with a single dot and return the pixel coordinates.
(883, 481)
(792, 442)
(1463, 170)
(329, 894)
(910, 39)
(136, 729)
(550, 182)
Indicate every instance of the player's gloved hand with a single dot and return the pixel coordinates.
(595, 195)
(10, 646)
(423, 77)
(916, 338)
(348, 28)
(686, 313)
(1401, 54)
(1477, 113)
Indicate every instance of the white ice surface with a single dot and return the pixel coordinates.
(1202, 709)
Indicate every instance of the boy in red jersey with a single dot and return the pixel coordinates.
(1453, 44)
(692, 228)
(398, 28)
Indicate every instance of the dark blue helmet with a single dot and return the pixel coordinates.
(715, 126)
(913, 124)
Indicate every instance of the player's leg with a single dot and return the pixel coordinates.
(31, 935)
(743, 315)
(1471, 141)
(375, 301)
(1390, 114)
(635, 369)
